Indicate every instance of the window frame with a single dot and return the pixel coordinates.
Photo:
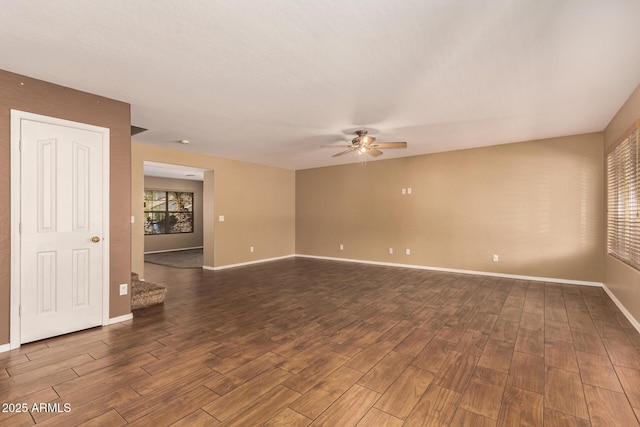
(167, 212)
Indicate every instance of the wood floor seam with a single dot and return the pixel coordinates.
(302, 342)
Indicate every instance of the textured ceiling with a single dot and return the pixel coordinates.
(270, 81)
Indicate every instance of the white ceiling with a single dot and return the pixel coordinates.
(270, 81)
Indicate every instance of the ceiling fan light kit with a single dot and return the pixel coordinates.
(364, 143)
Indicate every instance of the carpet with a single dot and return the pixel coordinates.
(190, 258)
(145, 294)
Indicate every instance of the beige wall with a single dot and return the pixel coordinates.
(167, 242)
(258, 203)
(538, 205)
(35, 96)
(622, 280)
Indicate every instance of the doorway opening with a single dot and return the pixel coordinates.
(174, 215)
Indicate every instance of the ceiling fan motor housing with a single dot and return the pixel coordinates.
(362, 138)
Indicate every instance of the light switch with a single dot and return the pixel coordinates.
(221, 218)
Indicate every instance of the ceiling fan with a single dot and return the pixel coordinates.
(366, 144)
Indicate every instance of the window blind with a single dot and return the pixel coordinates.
(623, 199)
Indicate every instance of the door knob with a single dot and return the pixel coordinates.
(95, 239)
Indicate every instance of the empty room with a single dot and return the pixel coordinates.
(336, 213)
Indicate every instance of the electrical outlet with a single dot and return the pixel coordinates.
(404, 191)
(409, 190)
(407, 251)
(221, 218)
(341, 247)
(251, 249)
(495, 258)
(391, 250)
(123, 289)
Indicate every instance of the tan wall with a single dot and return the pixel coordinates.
(35, 96)
(621, 279)
(538, 205)
(258, 203)
(167, 242)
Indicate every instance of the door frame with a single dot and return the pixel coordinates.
(16, 187)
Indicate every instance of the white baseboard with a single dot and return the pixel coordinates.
(174, 250)
(453, 270)
(7, 347)
(119, 319)
(622, 308)
(242, 264)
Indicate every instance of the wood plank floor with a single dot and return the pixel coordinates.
(301, 342)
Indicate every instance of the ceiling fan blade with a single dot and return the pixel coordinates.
(389, 145)
(345, 152)
(374, 152)
(336, 146)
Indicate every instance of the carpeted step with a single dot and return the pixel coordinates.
(145, 294)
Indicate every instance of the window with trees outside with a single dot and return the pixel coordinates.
(623, 199)
(168, 212)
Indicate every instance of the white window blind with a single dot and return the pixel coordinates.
(623, 204)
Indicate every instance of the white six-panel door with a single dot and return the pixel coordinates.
(61, 229)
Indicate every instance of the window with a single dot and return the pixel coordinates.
(168, 212)
(623, 204)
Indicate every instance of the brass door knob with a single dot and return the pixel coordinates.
(95, 239)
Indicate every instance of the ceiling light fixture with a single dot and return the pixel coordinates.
(365, 144)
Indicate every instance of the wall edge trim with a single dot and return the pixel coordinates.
(455, 270)
(5, 347)
(119, 319)
(242, 264)
(622, 308)
(173, 250)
